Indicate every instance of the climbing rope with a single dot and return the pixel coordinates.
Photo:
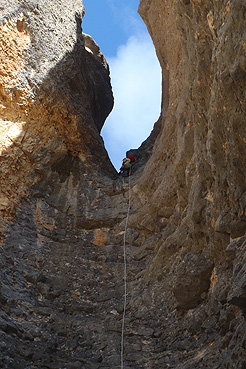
(125, 275)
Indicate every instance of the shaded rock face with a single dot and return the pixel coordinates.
(50, 104)
(64, 209)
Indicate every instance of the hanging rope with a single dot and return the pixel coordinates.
(125, 275)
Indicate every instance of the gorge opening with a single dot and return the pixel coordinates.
(134, 70)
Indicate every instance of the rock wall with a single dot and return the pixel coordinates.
(64, 208)
(50, 103)
(192, 191)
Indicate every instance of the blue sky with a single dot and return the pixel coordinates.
(135, 72)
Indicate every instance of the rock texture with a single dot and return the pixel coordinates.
(64, 209)
(50, 103)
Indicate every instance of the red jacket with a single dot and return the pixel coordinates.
(132, 158)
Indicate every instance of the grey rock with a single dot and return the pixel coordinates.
(192, 280)
(64, 210)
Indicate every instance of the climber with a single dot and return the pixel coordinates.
(126, 165)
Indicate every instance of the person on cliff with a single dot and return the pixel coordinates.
(126, 165)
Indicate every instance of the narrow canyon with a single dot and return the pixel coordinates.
(64, 207)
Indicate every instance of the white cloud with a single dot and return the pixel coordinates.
(136, 80)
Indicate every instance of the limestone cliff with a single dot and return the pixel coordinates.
(51, 102)
(64, 211)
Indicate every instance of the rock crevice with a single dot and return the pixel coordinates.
(63, 208)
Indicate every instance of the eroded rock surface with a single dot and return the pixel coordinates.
(50, 102)
(64, 210)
